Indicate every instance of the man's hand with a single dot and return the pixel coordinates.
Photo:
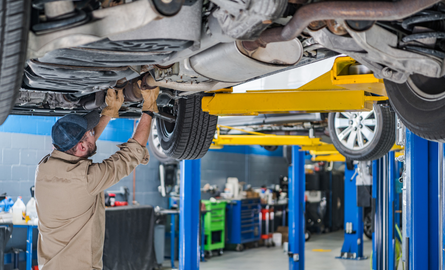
(114, 103)
(150, 97)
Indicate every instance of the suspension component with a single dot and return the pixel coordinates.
(434, 23)
(384, 11)
(58, 9)
(59, 14)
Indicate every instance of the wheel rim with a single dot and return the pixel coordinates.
(355, 130)
(429, 89)
(167, 129)
(156, 141)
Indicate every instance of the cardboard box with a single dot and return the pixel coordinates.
(252, 194)
(283, 229)
(284, 238)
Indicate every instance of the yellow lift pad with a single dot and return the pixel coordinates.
(340, 77)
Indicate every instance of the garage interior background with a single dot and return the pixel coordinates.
(25, 140)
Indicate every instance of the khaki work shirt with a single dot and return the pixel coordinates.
(71, 208)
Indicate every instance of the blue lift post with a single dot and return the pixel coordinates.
(353, 244)
(441, 203)
(384, 196)
(421, 204)
(172, 203)
(433, 205)
(376, 175)
(203, 237)
(441, 187)
(297, 184)
(189, 216)
(397, 200)
(391, 194)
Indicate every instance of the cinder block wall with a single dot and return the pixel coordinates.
(250, 164)
(24, 141)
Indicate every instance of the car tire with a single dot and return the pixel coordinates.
(270, 148)
(191, 135)
(14, 27)
(307, 235)
(367, 223)
(420, 105)
(377, 130)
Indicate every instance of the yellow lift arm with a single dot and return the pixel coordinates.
(256, 138)
(335, 91)
(322, 151)
(319, 150)
(330, 158)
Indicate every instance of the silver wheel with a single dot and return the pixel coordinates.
(363, 135)
(355, 130)
(155, 145)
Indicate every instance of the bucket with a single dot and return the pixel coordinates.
(276, 238)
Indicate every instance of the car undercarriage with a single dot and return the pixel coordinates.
(71, 52)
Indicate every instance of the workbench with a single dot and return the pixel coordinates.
(29, 256)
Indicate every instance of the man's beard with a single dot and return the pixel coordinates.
(91, 149)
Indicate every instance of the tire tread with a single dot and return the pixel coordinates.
(14, 25)
(195, 130)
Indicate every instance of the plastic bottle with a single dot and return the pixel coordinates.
(18, 211)
(31, 211)
(6, 204)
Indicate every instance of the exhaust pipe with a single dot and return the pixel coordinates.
(363, 11)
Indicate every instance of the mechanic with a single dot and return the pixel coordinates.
(69, 187)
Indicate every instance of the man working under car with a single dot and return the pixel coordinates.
(69, 187)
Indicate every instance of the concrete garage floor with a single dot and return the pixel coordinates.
(273, 258)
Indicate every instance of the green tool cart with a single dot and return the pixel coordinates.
(214, 226)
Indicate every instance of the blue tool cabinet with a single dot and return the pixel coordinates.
(243, 221)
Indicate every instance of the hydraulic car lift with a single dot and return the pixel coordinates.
(423, 188)
(190, 188)
(423, 204)
(335, 91)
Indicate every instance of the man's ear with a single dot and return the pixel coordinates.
(81, 147)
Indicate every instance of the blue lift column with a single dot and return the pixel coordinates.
(384, 197)
(297, 186)
(391, 194)
(421, 204)
(353, 244)
(441, 205)
(190, 195)
(397, 199)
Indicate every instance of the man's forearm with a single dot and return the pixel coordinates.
(143, 129)
(103, 122)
